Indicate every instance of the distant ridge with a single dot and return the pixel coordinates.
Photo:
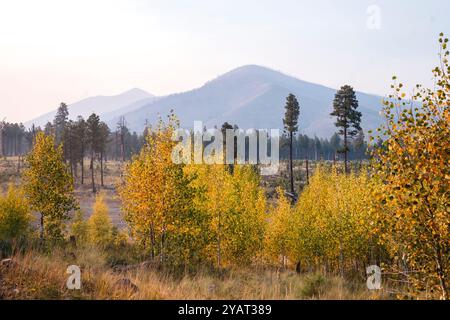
(107, 107)
(250, 96)
(253, 96)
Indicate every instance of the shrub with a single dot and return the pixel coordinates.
(15, 215)
(314, 286)
(100, 227)
(80, 228)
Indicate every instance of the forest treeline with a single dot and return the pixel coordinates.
(120, 143)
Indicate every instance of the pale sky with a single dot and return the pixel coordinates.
(57, 50)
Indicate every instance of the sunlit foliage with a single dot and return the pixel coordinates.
(48, 186)
(15, 216)
(412, 165)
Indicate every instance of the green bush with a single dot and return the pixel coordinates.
(314, 286)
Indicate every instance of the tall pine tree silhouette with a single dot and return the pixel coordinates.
(93, 139)
(348, 118)
(290, 122)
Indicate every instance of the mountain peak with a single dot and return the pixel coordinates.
(252, 69)
(252, 73)
(252, 96)
(137, 92)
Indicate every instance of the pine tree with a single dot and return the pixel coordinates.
(359, 145)
(345, 107)
(122, 130)
(60, 124)
(80, 134)
(226, 126)
(102, 142)
(290, 122)
(93, 141)
(335, 142)
(70, 144)
(48, 185)
(2, 138)
(49, 129)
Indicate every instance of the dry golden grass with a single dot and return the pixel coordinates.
(39, 276)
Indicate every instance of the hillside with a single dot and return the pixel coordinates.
(253, 97)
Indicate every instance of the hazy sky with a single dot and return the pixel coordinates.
(56, 50)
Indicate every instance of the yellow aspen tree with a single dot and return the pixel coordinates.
(15, 216)
(331, 221)
(157, 197)
(214, 181)
(100, 227)
(278, 233)
(246, 218)
(79, 228)
(235, 205)
(48, 186)
(412, 166)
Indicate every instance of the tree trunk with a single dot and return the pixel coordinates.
(163, 238)
(18, 164)
(42, 227)
(82, 170)
(341, 259)
(122, 146)
(1, 143)
(345, 151)
(101, 168)
(307, 171)
(71, 167)
(441, 273)
(92, 172)
(291, 169)
(152, 243)
(218, 242)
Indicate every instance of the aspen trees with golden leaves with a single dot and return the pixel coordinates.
(235, 207)
(411, 201)
(329, 226)
(48, 186)
(99, 225)
(157, 198)
(191, 213)
(278, 236)
(15, 215)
